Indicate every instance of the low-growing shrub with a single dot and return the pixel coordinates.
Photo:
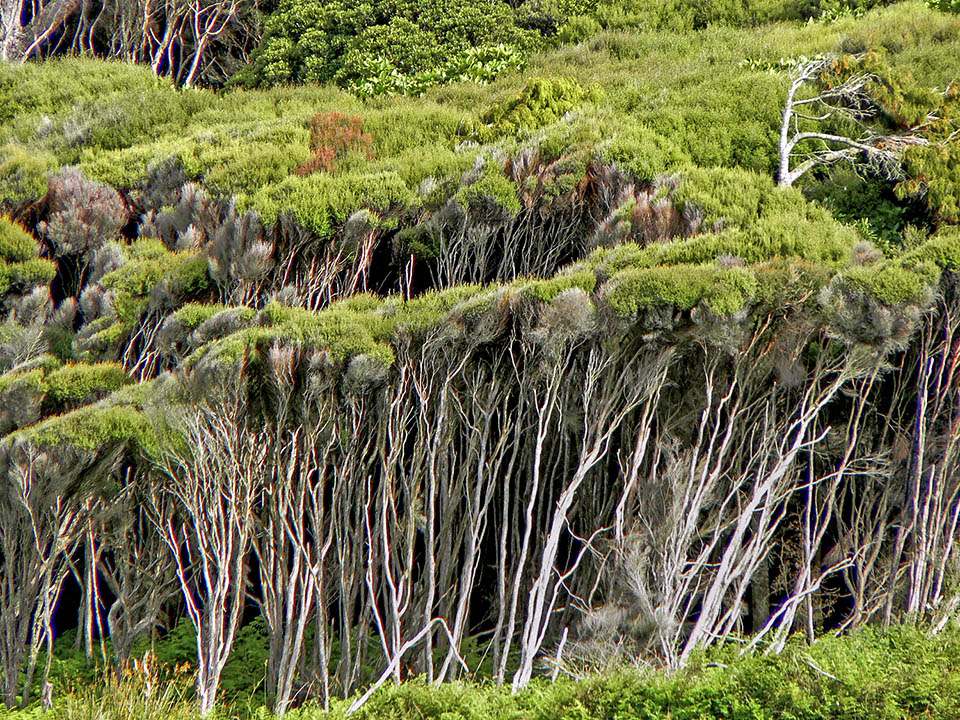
(541, 102)
(332, 136)
(23, 173)
(16, 244)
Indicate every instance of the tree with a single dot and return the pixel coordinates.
(25, 27)
(850, 102)
(202, 504)
(43, 509)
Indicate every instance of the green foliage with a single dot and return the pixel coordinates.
(670, 98)
(95, 428)
(322, 202)
(357, 44)
(193, 315)
(541, 102)
(16, 244)
(679, 15)
(50, 388)
(578, 28)
(481, 65)
(834, 10)
(547, 290)
(23, 173)
(182, 275)
(935, 172)
(852, 198)
(723, 291)
(72, 384)
(492, 187)
(942, 249)
(952, 6)
(869, 675)
(895, 282)
(23, 276)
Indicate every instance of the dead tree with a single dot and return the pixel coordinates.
(850, 101)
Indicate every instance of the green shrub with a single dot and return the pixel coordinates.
(680, 15)
(542, 102)
(26, 275)
(306, 41)
(578, 29)
(154, 275)
(934, 172)
(72, 384)
(23, 173)
(16, 244)
(943, 249)
(547, 290)
(895, 283)
(95, 428)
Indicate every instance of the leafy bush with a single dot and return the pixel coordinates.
(679, 15)
(22, 276)
(934, 173)
(578, 28)
(345, 42)
(23, 173)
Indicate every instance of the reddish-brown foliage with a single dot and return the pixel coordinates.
(332, 136)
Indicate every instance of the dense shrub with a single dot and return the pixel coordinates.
(16, 244)
(326, 41)
(935, 175)
(686, 15)
(23, 173)
(481, 65)
(84, 214)
(541, 102)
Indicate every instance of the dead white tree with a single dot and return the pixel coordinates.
(851, 101)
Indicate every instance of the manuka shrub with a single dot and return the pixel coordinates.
(21, 268)
(23, 173)
(541, 102)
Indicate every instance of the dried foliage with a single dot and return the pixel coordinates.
(332, 136)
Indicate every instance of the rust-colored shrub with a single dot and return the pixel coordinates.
(332, 136)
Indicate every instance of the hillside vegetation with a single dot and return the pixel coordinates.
(458, 341)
